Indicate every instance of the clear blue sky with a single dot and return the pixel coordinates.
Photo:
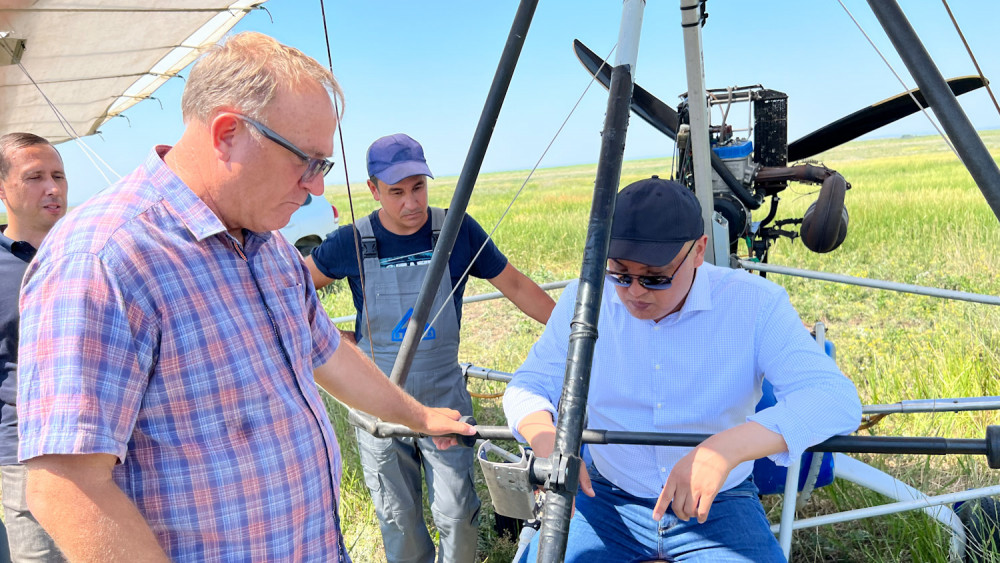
(424, 68)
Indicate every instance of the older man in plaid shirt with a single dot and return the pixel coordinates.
(170, 342)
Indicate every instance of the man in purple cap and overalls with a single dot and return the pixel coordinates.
(396, 243)
(684, 347)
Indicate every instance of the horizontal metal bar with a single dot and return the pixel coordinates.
(474, 298)
(495, 449)
(902, 444)
(865, 282)
(497, 295)
(848, 444)
(486, 373)
(936, 405)
(892, 508)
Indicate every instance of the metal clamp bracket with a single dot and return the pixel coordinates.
(510, 485)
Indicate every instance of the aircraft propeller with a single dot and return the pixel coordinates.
(824, 225)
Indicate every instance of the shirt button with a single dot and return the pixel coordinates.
(663, 470)
(657, 366)
(657, 327)
(659, 405)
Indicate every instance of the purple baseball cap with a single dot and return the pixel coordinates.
(394, 157)
(652, 221)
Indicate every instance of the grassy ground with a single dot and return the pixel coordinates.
(915, 217)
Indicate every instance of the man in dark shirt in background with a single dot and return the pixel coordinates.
(33, 190)
(397, 242)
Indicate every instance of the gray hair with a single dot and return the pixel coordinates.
(245, 73)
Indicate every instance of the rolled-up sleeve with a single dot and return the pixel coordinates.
(815, 400)
(537, 384)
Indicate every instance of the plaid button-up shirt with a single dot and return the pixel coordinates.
(149, 333)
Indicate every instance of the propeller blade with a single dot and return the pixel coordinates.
(869, 119)
(661, 116)
(647, 106)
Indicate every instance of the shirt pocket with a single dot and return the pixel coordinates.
(290, 322)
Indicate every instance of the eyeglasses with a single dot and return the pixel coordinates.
(314, 166)
(647, 282)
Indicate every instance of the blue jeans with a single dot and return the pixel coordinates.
(616, 526)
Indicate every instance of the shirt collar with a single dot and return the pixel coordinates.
(700, 296)
(19, 248)
(189, 209)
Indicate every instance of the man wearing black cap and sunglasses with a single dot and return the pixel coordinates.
(684, 347)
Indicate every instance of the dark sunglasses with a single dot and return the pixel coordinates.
(647, 282)
(314, 166)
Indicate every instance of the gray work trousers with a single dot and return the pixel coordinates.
(392, 472)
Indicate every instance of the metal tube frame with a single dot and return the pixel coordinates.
(961, 404)
(463, 191)
(473, 298)
(701, 154)
(865, 282)
(789, 501)
(963, 135)
(893, 508)
(917, 445)
(563, 466)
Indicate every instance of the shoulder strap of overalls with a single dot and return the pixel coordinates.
(368, 247)
(437, 221)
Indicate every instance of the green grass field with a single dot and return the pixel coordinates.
(915, 217)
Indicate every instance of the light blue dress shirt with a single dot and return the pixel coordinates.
(698, 370)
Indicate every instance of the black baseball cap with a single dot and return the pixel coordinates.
(653, 219)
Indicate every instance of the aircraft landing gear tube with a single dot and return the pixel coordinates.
(564, 464)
